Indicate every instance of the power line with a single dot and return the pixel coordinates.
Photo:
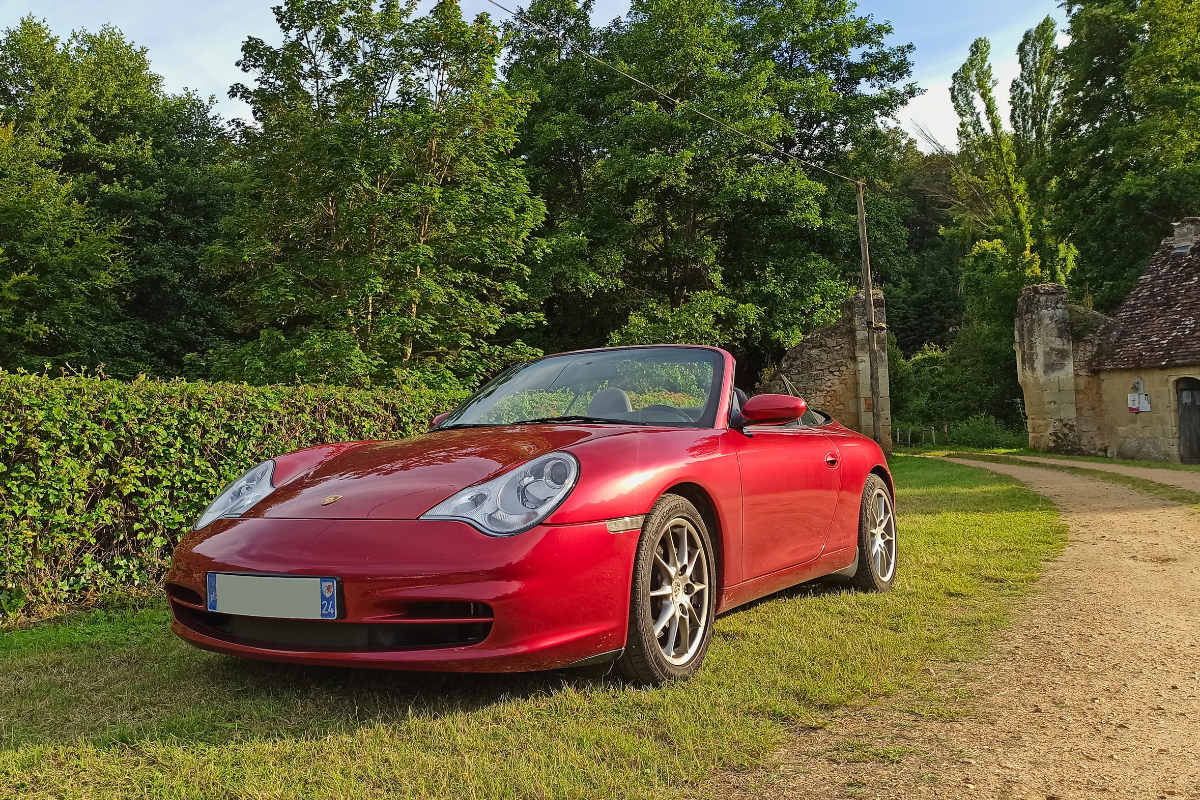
(677, 103)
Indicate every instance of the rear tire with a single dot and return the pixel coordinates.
(877, 549)
(672, 597)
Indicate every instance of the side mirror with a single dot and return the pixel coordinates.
(433, 423)
(773, 409)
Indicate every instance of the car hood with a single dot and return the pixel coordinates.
(404, 479)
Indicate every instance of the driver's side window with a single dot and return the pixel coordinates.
(811, 419)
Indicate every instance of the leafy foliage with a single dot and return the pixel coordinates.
(100, 477)
(1126, 146)
(664, 226)
(381, 231)
(59, 271)
(152, 170)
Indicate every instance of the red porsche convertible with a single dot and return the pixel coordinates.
(580, 509)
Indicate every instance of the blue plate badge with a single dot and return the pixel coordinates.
(328, 598)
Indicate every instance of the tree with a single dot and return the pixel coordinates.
(666, 226)
(988, 154)
(1034, 95)
(381, 231)
(59, 272)
(1126, 144)
(152, 163)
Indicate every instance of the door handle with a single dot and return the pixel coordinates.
(831, 460)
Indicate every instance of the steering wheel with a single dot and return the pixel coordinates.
(675, 412)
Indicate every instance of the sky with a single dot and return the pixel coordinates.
(194, 43)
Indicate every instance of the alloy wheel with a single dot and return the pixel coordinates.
(679, 587)
(882, 538)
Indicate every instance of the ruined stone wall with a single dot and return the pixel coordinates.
(1046, 367)
(831, 369)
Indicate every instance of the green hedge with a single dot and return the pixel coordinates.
(100, 478)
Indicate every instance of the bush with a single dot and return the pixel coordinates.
(100, 478)
(984, 430)
(981, 430)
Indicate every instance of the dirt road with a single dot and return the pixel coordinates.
(1093, 693)
(1171, 477)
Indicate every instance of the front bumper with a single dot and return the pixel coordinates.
(421, 595)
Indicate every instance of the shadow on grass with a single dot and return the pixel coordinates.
(115, 680)
(125, 679)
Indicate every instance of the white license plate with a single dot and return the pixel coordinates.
(278, 596)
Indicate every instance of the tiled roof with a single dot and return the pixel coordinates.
(1159, 322)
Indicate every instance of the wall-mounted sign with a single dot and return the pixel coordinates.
(1139, 402)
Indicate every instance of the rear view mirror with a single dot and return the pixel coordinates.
(433, 423)
(773, 409)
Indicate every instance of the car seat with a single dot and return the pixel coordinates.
(608, 402)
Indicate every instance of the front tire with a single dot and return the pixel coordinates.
(672, 598)
(876, 538)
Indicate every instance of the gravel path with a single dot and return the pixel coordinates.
(1093, 693)
(1171, 477)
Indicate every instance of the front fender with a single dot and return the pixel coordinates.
(623, 476)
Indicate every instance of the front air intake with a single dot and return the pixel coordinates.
(410, 633)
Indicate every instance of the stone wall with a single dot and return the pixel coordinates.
(1046, 367)
(831, 369)
(1152, 435)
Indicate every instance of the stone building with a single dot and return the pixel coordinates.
(831, 370)
(1126, 386)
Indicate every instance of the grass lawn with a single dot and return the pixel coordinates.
(110, 704)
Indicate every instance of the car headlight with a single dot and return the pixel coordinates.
(515, 501)
(239, 496)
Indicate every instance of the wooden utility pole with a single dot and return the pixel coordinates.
(873, 333)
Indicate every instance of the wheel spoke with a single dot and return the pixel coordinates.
(666, 615)
(680, 623)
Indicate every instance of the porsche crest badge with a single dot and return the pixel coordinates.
(333, 498)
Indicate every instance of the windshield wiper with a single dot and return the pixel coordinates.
(465, 425)
(578, 418)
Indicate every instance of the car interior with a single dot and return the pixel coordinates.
(613, 403)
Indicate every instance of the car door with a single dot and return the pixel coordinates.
(790, 482)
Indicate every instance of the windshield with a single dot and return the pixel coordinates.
(676, 386)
